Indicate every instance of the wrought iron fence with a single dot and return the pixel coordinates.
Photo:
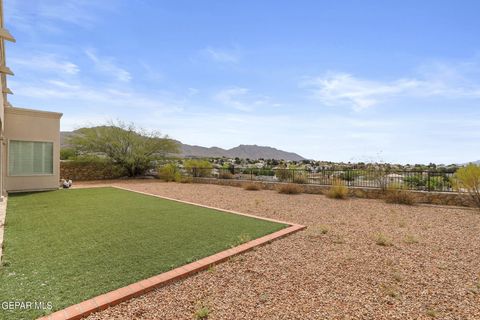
(369, 178)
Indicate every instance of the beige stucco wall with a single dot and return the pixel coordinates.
(31, 125)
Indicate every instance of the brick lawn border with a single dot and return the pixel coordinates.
(118, 296)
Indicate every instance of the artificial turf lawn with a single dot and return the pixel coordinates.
(67, 246)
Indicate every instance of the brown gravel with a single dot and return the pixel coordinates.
(336, 269)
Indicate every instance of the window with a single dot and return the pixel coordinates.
(26, 158)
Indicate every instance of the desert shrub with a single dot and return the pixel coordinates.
(433, 183)
(338, 190)
(251, 187)
(202, 312)
(467, 179)
(225, 175)
(284, 174)
(383, 240)
(67, 154)
(198, 168)
(398, 194)
(414, 181)
(169, 172)
(349, 175)
(299, 177)
(289, 188)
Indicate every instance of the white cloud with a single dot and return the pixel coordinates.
(232, 97)
(46, 63)
(33, 15)
(80, 96)
(108, 66)
(222, 55)
(336, 88)
(242, 99)
(343, 88)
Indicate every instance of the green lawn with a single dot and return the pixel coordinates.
(70, 245)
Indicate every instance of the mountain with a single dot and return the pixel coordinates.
(242, 151)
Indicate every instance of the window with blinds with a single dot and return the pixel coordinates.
(27, 158)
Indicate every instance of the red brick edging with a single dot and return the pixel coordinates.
(115, 297)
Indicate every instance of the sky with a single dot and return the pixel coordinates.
(354, 80)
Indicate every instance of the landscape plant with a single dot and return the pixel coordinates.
(338, 190)
(289, 188)
(399, 194)
(198, 168)
(133, 149)
(251, 187)
(169, 173)
(224, 174)
(467, 179)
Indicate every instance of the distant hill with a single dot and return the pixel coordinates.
(242, 151)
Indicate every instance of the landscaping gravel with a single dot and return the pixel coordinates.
(358, 259)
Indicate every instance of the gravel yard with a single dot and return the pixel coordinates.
(358, 259)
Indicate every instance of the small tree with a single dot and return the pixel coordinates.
(133, 149)
(198, 168)
(467, 179)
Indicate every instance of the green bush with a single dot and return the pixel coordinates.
(169, 172)
(349, 175)
(284, 174)
(67, 154)
(198, 168)
(467, 179)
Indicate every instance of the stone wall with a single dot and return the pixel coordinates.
(437, 198)
(84, 171)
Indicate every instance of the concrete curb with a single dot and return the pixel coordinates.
(118, 296)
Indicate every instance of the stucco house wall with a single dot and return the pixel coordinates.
(31, 125)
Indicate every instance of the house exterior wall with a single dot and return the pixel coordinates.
(31, 125)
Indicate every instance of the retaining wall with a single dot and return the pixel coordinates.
(437, 198)
(88, 171)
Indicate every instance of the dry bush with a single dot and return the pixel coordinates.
(251, 187)
(289, 188)
(338, 190)
(299, 177)
(383, 240)
(225, 175)
(399, 195)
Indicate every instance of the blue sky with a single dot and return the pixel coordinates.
(395, 81)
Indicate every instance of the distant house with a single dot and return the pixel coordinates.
(29, 139)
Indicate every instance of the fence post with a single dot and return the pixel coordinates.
(251, 173)
(293, 175)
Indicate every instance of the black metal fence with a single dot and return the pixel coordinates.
(370, 178)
